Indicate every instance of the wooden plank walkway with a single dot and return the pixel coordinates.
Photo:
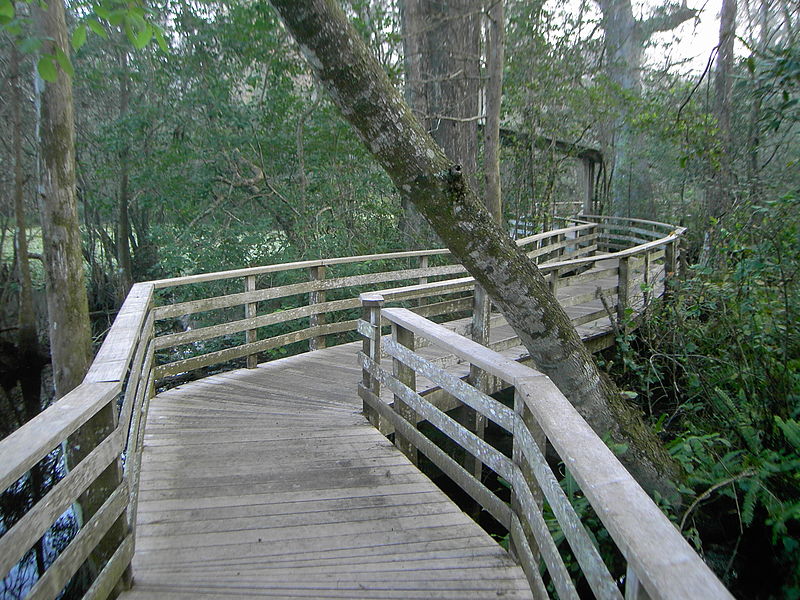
(270, 483)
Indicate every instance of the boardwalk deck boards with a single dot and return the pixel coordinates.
(269, 482)
(266, 483)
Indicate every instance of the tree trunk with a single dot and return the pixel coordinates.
(124, 227)
(424, 175)
(67, 304)
(722, 187)
(412, 20)
(442, 46)
(495, 36)
(30, 360)
(625, 37)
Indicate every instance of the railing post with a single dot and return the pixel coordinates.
(251, 335)
(670, 260)
(371, 347)
(646, 275)
(526, 420)
(423, 264)
(633, 587)
(408, 377)
(623, 283)
(481, 312)
(552, 281)
(316, 297)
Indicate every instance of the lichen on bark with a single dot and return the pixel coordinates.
(441, 193)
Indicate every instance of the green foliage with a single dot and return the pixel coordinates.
(718, 369)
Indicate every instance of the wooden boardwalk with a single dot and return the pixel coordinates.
(270, 483)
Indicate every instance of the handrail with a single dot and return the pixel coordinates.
(139, 351)
(658, 557)
(122, 370)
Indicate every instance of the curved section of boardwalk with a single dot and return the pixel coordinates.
(270, 483)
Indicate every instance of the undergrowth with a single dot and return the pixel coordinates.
(717, 369)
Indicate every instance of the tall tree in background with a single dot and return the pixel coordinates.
(495, 59)
(442, 57)
(67, 304)
(123, 223)
(720, 197)
(625, 39)
(425, 176)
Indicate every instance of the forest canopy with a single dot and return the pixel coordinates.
(202, 142)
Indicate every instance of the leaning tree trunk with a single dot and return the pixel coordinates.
(437, 187)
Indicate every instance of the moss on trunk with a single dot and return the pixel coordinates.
(439, 190)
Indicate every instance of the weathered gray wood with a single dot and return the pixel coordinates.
(488, 455)
(205, 304)
(303, 264)
(592, 565)
(25, 532)
(283, 316)
(408, 380)
(24, 447)
(623, 291)
(633, 589)
(528, 560)
(643, 534)
(590, 276)
(544, 541)
(446, 307)
(370, 327)
(144, 349)
(316, 297)
(108, 578)
(213, 358)
(286, 490)
(113, 358)
(133, 461)
(52, 582)
(475, 399)
(589, 317)
(463, 478)
(251, 335)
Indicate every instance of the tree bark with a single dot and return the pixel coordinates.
(625, 37)
(30, 360)
(67, 304)
(123, 226)
(424, 175)
(722, 186)
(495, 55)
(442, 48)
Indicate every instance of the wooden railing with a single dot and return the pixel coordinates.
(112, 399)
(660, 563)
(238, 315)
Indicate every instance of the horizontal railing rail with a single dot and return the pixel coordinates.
(172, 327)
(660, 563)
(111, 401)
